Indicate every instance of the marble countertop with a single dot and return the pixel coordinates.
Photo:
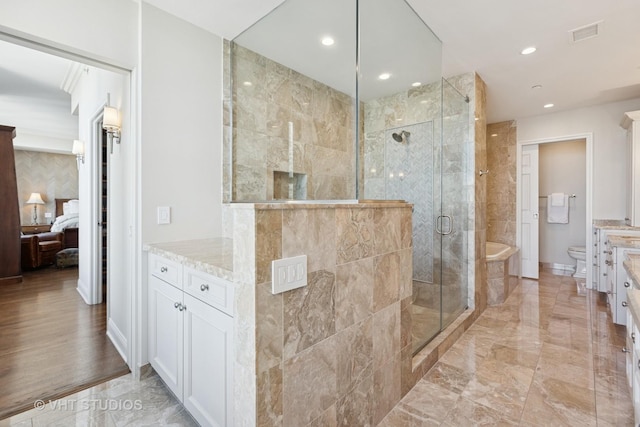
(213, 256)
(631, 242)
(632, 265)
(613, 224)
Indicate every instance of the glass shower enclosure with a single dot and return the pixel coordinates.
(335, 100)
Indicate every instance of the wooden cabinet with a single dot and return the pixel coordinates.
(631, 122)
(10, 268)
(191, 338)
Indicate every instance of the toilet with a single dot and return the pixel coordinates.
(579, 254)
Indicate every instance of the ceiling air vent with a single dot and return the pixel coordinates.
(586, 32)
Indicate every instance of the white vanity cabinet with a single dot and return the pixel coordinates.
(191, 338)
(631, 122)
(618, 282)
(602, 249)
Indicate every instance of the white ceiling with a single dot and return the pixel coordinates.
(30, 96)
(487, 37)
(483, 36)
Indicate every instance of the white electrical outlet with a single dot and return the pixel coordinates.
(164, 215)
(288, 274)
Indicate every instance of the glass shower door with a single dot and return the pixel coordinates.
(453, 230)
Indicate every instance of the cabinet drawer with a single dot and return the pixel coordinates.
(165, 269)
(209, 289)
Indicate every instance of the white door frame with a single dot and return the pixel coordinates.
(588, 137)
(136, 349)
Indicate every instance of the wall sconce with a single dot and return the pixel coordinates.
(78, 150)
(35, 199)
(111, 123)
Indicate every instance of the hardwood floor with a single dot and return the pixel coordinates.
(51, 343)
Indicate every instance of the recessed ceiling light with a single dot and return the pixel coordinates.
(528, 50)
(247, 83)
(548, 105)
(416, 84)
(494, 134)
(384, 76)
(424, 101)
(536, 87)
(328, 41)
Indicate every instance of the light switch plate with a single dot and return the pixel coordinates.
(288, 274)
(164, 215)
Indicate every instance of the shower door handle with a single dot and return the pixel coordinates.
(439, 225)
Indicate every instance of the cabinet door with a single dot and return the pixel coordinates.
(602, 253)
(166, 329)
(208, 365)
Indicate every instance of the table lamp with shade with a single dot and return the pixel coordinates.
(35, 199)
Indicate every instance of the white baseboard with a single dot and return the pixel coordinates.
(82, 290)
(118, 339)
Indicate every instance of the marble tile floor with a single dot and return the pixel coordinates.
(548, 356)
(122, 401)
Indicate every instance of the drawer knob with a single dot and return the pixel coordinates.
(627, 284)
(625, 350)
(204, 287)
(177, 305)
(624, 303)
(163, 269)
(633, 337)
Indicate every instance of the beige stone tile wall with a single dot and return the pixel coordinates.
(322, 122)
(330, 353)
(501, 182)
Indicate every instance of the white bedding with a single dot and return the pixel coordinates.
(65, 221)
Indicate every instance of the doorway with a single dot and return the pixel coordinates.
(540, 240)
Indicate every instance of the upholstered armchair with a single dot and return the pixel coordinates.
(40, 249)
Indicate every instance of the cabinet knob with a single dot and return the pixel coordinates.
(625, 350)
(627, 284)
(182, 307)
(633, 337)
(163, 269)
(204, 287)
(177, 305)
(608, 292)
(624, 303)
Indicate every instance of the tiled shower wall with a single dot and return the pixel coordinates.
(338, 351)
(287, 122)
(501, 182)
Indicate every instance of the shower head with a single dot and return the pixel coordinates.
(402, 136)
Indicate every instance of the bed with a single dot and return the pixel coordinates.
(66, 222)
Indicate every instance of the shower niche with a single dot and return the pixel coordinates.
(344, 100)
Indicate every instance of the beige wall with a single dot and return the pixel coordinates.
(51, 175)
(501, 182)
(338, 351)
(181, 128)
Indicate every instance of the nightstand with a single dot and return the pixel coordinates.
(35, 229)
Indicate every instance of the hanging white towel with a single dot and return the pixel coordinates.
(558, 213)
(557, 199)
